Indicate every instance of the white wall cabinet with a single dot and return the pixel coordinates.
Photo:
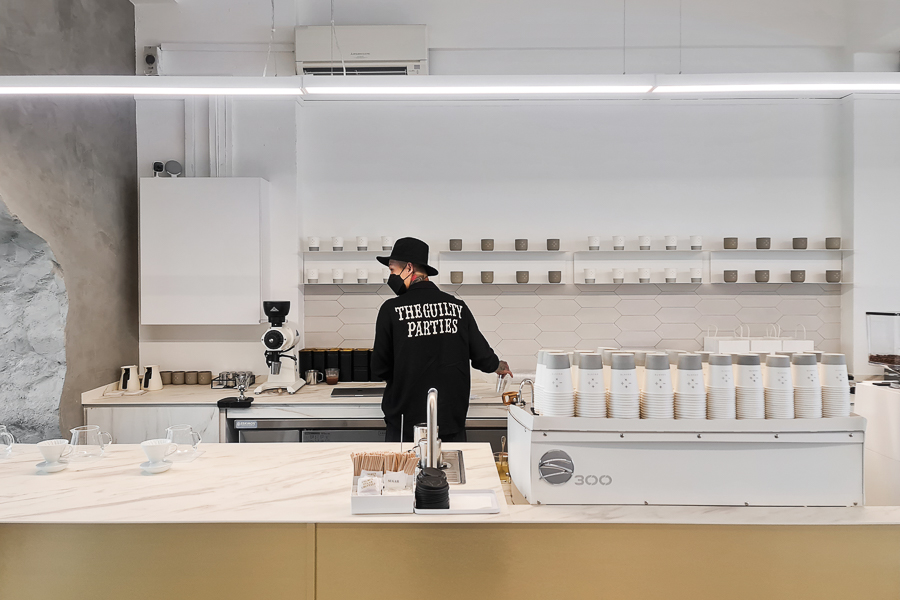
(134, 424)
(200, 250)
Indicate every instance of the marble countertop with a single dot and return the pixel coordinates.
(200, 394)
(310, 483)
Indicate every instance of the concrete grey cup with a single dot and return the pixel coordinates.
(166, 377)
(833, 276)
(456, 276)
(455, 245)
(800, 243)
(521, 276)
(833, 243)
(798, 276)
(487, 245)
(190, 377)
(554, 276)
(730, 276)
(731, 243)
(553, 244)
(177, 377)
(764, 243)
(762, 276)
(521, 245)
(487, 277)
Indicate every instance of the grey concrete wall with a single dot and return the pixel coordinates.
(68, 171)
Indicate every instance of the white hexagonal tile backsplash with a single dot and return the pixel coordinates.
(518, 324)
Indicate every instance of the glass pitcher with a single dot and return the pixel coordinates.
(186, 439)
(6, 441)
(88, 442)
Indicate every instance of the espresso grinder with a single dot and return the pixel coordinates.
(280, 342)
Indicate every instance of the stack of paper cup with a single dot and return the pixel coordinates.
(807, 388)
(590, 396)
(779, 388)
(540, 375)
(690, 391)
(835, 386)
(624, 394)
(749, 395)
(720, 390)
(557, 393)
(607, 353)
(657, 395)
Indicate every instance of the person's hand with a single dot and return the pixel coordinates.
(503, 369)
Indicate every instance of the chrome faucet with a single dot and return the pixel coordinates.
(429, 445)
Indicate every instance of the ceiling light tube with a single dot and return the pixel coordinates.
(63, 85)
(476, 90)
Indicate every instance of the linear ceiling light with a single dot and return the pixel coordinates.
(133, 85)
(777, 87)
(145, 91)
(477, 90)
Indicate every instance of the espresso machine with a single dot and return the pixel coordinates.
(279, 341)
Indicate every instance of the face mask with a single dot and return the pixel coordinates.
(396, 283)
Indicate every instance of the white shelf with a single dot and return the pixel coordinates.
(638, 254)
(344, 255)
(782, 251)
(451, 255)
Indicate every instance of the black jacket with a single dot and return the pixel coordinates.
(425, 339)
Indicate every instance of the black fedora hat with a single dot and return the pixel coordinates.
(410, 250)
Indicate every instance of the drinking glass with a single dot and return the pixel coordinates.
(331, 376)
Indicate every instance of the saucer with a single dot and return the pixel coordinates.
(150, 467)
(53, 467)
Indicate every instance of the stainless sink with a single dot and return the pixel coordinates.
(453, 466)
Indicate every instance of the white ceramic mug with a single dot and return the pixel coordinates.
(618, 276)
(313, 244)
(644, 242)
(337, 243)
(644, 275)
(696, 275)
(590, 275)
(362, 275)
(337, 276)
(671, 242)
(152, 379)
(671, 275)
(55, 450)
(385, 273)
(618, 242)
(362, 243)
(157, 450)
(593, 242)
(387, 243)
(696, 242)
(312, 275)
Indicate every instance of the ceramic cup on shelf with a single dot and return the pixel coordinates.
(362, 243)
(387, 243)
(763, 243)
(487, 245)
(312, 275)
(800, 243)
(696, 242)
(313, 244)
(337, 276)
(552, 244)
(190, 377)
(671, 275)
(730, 275)
(521, 276)
(618, 275)
(456, 277)
(762, 276)
(385, 273)
(730, 243)
(177, 377)
(554, 276)
(833, 243)
(671, 242)
(833, 276)
(337, 243)
(644, 275)
(521, 244)
(455, 245)
(166, 377)
(644, 242)
(362, 275)
(204, 377)
(618, 242)
(798, 275)
(696, 275)
(590, 275)
(487, 277)
(593, 242)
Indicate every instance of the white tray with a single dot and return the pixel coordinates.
(466, 502)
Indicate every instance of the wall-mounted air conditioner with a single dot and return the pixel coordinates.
(362, 50)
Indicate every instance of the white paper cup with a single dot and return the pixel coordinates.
(54, 450)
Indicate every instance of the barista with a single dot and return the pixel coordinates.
(424, 339)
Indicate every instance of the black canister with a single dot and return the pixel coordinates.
(332, 360)
(345, 360)
(304, 361)
(360, 364)
(372, 376)
(318, 360)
